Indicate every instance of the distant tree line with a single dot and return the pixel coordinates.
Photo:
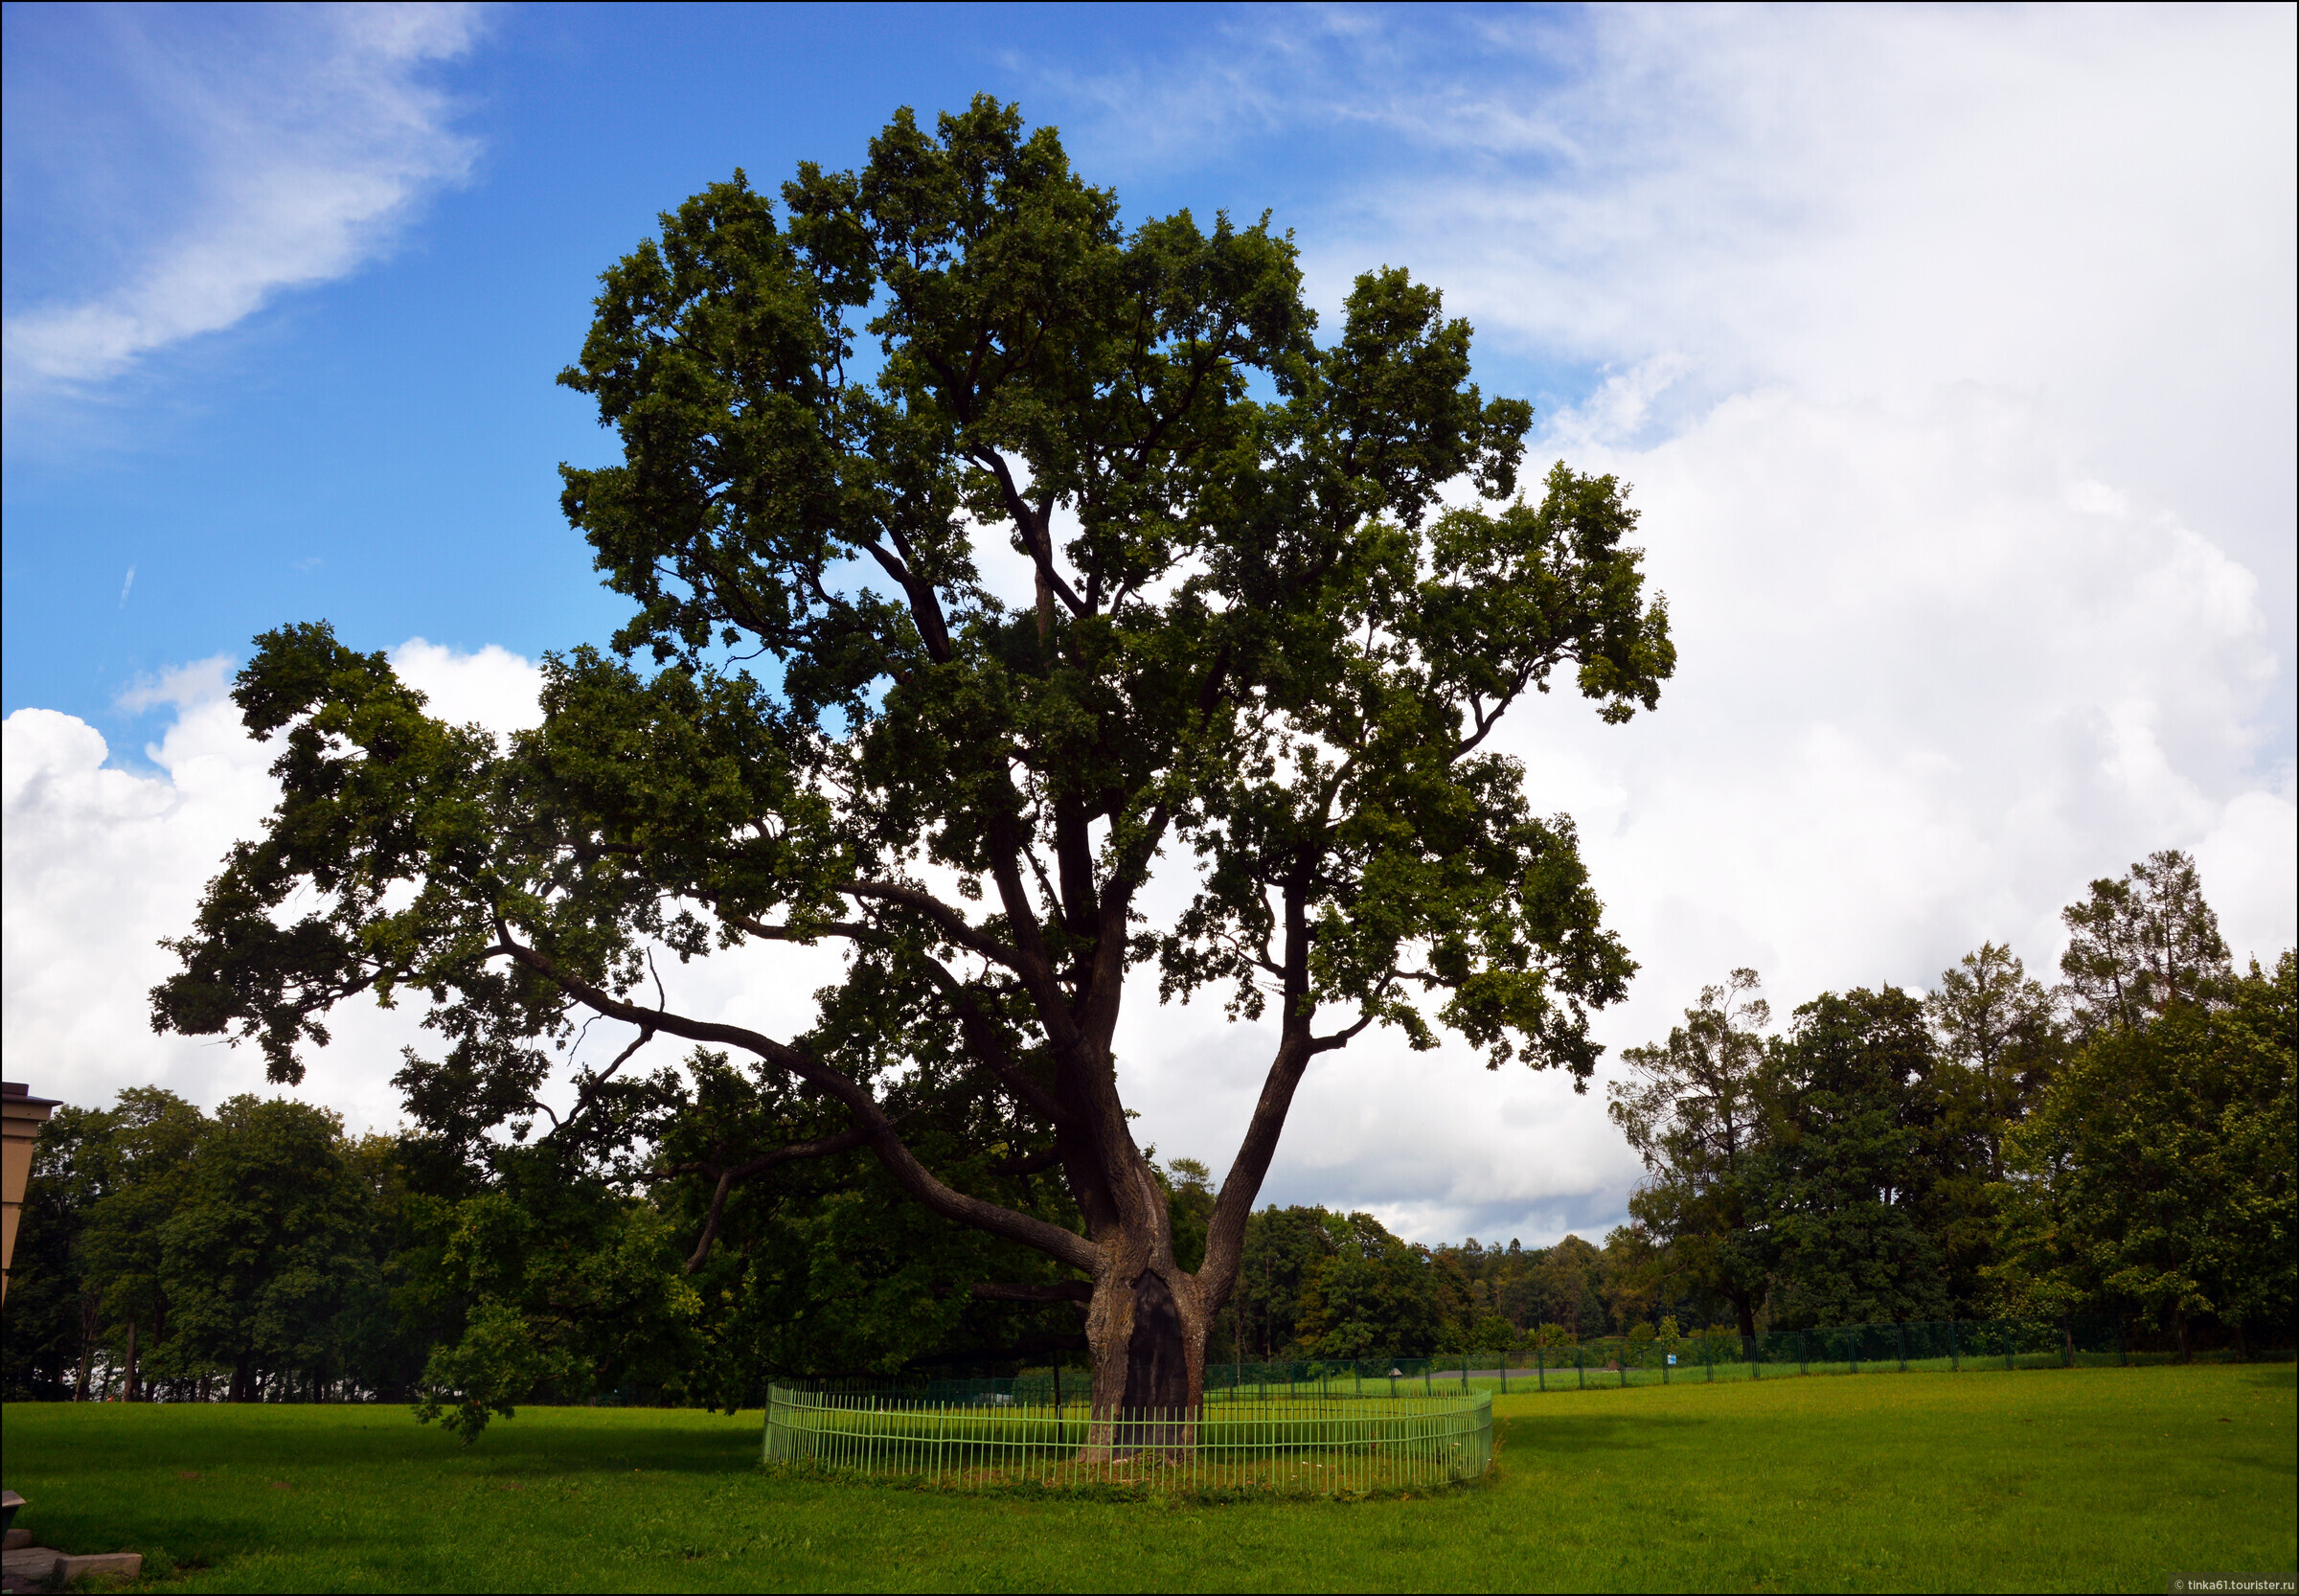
(2120, 1143)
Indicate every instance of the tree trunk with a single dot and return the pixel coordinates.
(1145, 1333)
(87, 1344)
(128, 1385)
(1744, 1306)
(1148, 1362)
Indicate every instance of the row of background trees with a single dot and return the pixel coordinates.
(2121, 1143)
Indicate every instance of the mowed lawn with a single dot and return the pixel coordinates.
(2084, 1479)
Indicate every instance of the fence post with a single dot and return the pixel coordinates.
(1955, 1365)
(2007, 1335)
(1804, 1352)
(1708, 1356)
(1624, 1360)
(2123, 1359)
(1541, 1367)
(1504, 1373)
(1579, 1366)
(1899, 1327)
(2067, 1341)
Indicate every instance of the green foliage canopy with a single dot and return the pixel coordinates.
(1256, 637)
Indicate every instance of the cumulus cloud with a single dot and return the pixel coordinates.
(1930, 686)
(99, 864)
(284, 147)
(1950, 359)
(102, 862)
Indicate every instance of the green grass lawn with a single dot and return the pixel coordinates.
(2082, 1479)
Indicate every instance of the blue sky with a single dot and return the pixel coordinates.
(382, 448)
(1951, 352)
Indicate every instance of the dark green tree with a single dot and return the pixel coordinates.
(1256, 644)
(1692, 1108)
(1189, 1202)
(1997, 1027)
(2158, 1174)
(1852, 1203)
(1283, 1248)
(269, 1257)
(1569, 1285)
(1369, 1298)
(154, 1132)
(2140, 944)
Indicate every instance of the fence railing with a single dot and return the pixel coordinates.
(1300, 1444)
(1942, 1345)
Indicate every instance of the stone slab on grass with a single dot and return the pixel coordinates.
(29, 1564)
(100, 1567)
(40, 1566)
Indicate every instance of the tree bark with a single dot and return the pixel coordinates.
(1146, 1341)
(128, 1384)
(87, 1344)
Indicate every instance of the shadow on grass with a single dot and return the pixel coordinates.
(220, 1441)
(1538, 1435)
(576, 1448)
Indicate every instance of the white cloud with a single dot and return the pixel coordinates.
(494, 687)
(1930, 686)
(295, 141)
(1951, 358)
(98, 863)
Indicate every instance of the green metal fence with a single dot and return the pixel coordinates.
(1945, 1346)
(1297, 1443)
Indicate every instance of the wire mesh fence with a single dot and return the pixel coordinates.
(1943, 1345)
(1298, 1443)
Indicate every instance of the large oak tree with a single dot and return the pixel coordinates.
(1257, 650)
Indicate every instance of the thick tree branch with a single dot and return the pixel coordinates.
(1029, 1164)
(783, 933)
(840, 1142)
(901, 1162)
(1035, 533)
(1225, 1233)
(941, 916)
(925, 607)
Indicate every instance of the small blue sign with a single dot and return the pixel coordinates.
(1672, 1360)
